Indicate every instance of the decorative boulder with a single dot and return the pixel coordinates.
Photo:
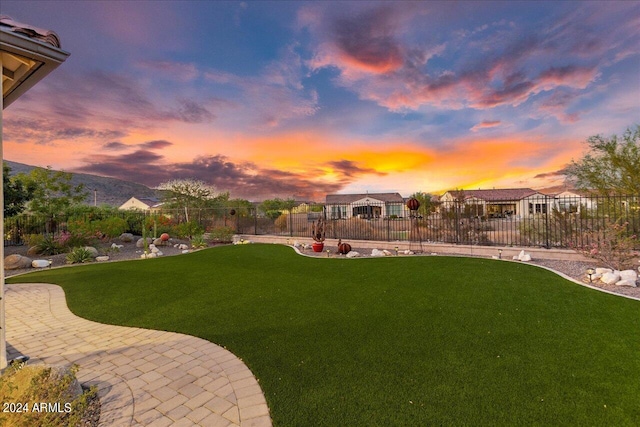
(626, 282)
(386, 252)
(182, 246)
(602, 271)
(40, 263)
(114, 246)
(610, 278)
(126, 237)
(140, 242)
(102, 258)
(523, 256)
(16, 262)
(93, 251)
(353, 254)
(33, 250)
(151, 255)
(408, 252)
(377, 252)
(185, 251)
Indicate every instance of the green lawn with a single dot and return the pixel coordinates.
(401, 341)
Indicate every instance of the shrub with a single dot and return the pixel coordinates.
(31, 384)
(222, 234)
(188, 229)
(49, 246)
(79, 256)
(613, 245)
(282, 222)
(198, 242)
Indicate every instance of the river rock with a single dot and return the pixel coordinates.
(628, 275)
(625, 282)
(140, 242)
(126, 237)
(93, 251)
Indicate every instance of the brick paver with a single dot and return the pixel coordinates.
(143, 377)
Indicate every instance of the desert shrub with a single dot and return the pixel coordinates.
(158, 224)
(79, 255)
(49, 246)
(222, 234)
(112, 227)
(32, 239)
(613, 245)
(282, 222)
(32, 384)
(198, 242)
(188, 229)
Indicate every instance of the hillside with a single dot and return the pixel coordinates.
(110, 191)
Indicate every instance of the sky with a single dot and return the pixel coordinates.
(303, 99)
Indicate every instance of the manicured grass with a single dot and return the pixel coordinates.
(381, 342)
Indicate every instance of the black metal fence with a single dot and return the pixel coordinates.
(562, 222)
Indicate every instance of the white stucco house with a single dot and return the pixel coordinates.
(368, 206)
(501, 203)
(141, 204)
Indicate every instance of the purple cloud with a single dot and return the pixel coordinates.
(245, 180)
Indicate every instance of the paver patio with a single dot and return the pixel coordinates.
(144, 377)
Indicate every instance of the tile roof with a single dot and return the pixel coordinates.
(495, 195)
(30, 31)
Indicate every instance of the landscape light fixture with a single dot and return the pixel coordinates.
(590, 273)
(499, 253)
(50, 262)
(328, 251)
(396, 248)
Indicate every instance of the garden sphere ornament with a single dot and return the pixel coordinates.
(413, 205)
(164, 237)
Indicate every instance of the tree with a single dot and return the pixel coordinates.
(16, 194)
(426, 203)
(51, 191)
(273, 208)
(611, 166)
(188, 194)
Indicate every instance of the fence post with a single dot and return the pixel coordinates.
(291, 222)
(255, 221)
(546, 220)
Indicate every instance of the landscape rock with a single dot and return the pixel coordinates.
(353, 254)
(151, 255)
(160, 242)
(17, 262)
(126, 237)
(93, 251)
(386, 252)
(602, 271)
(115, 246)
(40, 263)
(33, 250)
(185, 251)
(626, 282)
(140, 242)
(523, 256)
(102, 258)
(377, 253)
(628, 275)
(408, 252)
(610, 278)
(182, 247)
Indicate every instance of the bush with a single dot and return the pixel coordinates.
(188, 229)
(31, 384)
(49, 246)
(198, 242)
(222, 234)
(79, 256)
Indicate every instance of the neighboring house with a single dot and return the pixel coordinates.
(369, 206)
(501, 203)
(141, 204)
(574, 201)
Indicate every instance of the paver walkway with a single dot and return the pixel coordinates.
(144, 377)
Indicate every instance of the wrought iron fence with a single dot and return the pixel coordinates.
(561, 222)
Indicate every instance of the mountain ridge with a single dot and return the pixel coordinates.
(109, 191)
